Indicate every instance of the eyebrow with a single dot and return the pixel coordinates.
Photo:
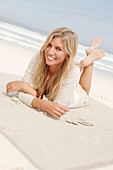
(57, 46)
(60, 47)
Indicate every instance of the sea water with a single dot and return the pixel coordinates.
(27, 23)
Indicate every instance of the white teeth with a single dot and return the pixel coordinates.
(50, 58)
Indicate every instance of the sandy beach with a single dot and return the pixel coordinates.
(32, 140)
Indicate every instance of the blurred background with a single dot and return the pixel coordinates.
(88, 18)
(27, 23)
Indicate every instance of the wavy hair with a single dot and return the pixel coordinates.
(41, 78)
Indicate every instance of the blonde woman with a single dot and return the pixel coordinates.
(53, 82)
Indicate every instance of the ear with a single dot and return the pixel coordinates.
(67, 57)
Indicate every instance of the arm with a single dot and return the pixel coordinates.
(54, 109)
(68, 94)
(26, 83)
(27, 94)
(25, 86)
(65, 98)
(29, 98)
(20, 86)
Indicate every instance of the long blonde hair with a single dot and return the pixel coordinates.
(41, 74)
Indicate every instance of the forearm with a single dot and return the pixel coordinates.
(54, 109)
(38, 103)
(20, 86)
(26, 88)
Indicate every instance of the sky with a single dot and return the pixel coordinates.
(88, 18)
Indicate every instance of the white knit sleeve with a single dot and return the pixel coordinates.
(67, 93)
(30, 69)
(27, 98)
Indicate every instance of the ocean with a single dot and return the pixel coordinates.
(27, 23)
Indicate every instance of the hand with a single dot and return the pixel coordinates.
(20, 86)
(14, 86)
(54, 109)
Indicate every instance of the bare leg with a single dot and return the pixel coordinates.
(93, 56)
(86, 65)
(86, 77)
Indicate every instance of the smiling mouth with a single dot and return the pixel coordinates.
(51, 58)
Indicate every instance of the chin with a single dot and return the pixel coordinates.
(49, 64)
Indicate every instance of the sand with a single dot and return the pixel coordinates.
(39, 142)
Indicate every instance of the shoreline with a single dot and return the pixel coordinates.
(14, 58)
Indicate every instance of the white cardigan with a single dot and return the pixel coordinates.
(67, 97)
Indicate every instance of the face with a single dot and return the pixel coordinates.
(55, 53)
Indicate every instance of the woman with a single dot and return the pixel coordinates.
(53, 81)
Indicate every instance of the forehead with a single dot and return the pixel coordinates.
(57, 41)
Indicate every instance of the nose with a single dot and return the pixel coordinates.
(51, 51)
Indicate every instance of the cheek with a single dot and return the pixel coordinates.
(64, 56)
(47, 48)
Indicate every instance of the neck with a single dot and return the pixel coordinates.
(53, 70)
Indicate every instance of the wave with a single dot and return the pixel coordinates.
(34, 40)
(21, 36)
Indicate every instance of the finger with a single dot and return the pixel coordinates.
(64, 108)
(51, 112)
(9, 84)
(9, 90)
(60, 110)
(57, 113)
(54, 115)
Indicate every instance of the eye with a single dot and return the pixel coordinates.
(58, 48)
(49, 45)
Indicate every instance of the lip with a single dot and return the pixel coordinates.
(50, 58)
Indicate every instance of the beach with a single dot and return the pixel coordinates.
(30, 139)
(10, 157)
(35, 141)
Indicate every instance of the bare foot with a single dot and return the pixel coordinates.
(94, 44)
(94, 56)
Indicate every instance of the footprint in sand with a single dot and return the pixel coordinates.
(9, 129)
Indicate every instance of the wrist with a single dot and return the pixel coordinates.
(44, 105)
(23, 86)
(38, 103)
